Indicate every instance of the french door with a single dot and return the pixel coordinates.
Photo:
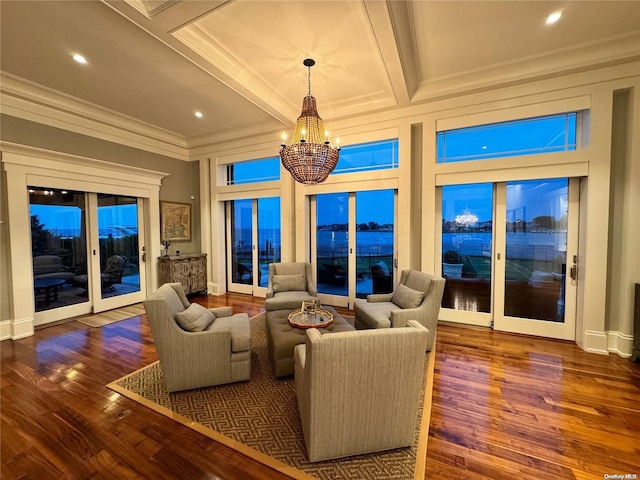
(253, 242)
(86, 251)
(508, 253)
(118, 234)
(353, 244)
(536, 263)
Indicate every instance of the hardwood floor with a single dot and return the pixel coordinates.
(504, 406)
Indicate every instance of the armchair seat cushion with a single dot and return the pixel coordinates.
(373, 315)
(238, 325)
(287, 300)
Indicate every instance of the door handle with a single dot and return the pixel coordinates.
(574, 268)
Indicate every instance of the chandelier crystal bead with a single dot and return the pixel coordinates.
(310, 158)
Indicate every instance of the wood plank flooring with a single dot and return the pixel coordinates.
(505, 406)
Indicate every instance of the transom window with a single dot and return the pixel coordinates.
(368, 156)
(264, 170)
(554, 133)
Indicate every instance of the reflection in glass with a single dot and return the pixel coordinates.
(241, 241)
(332, 243)
(536, 253)
(118, 239)
(467, 228)
(374, 242)
(58, 246)
(268, 236)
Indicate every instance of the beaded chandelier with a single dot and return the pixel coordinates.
(310, 158)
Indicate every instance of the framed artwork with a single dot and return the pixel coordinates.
(175, 221)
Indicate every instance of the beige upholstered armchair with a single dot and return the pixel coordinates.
(416, 297)
(197, 347)
(350, 405)
(289, 284)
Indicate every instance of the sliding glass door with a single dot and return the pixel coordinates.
(374, 242)
(513, 276)
(86, 250)
(240, 261)
(353, 244)
(467, 239)
(332, 243)
(59, 251)
(117, 263)
(537, 257)
(253, 239)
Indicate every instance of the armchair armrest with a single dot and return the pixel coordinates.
(221, 311)
(379, 297)
(182, 348)
(401, 317)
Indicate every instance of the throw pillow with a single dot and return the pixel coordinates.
(287, 283)
(195, 318)
(406, 297)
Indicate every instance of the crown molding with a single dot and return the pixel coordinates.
(581, 58)
(29, 101)
(22, 155)
(151, 8)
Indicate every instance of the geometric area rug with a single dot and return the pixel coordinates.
(259, 418)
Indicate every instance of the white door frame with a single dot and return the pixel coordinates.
(34, 166)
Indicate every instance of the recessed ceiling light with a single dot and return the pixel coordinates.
(553, 18)
(198, 114)
(79, 58)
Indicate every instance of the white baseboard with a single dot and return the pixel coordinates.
(15, 329)
(5, 330)
(620, 343)
(213, 289)
(595, 342)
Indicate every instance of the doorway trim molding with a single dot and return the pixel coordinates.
(25, 165)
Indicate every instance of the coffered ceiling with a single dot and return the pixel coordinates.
(154, 63)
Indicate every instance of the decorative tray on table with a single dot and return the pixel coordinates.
(310, 319)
